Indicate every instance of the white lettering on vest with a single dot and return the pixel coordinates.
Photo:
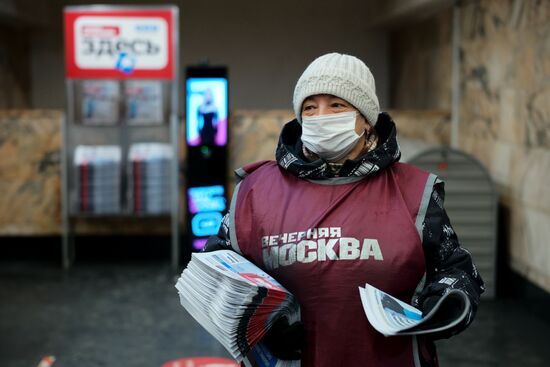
(271, 257)
(303, 256)
(316, 244)
(273, 240)
(311, 233)
(326, 249)
(287, 254)
(349, 248)
(292, 237)
(371, 248)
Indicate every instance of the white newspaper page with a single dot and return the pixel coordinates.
(388, 314)
(391, 316)
(239, 268)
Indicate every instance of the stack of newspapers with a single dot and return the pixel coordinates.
(237, 303)
(149, 171)
(98, 178)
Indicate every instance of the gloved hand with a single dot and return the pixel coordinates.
(428, 304)
(286, 341)
(448, 310)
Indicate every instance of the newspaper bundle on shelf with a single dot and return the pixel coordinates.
(237, 303)
(150, 177)
(98, 178)
(391, 316)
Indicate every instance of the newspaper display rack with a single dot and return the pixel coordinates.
(120, 131)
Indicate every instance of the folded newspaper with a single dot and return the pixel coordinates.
(236, 302)
(391, 316)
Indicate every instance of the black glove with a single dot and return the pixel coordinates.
(449, 310)
(428, 304)
(286, 341)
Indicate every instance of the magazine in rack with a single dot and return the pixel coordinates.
(100, 102)
(236, 302)
(391, 316)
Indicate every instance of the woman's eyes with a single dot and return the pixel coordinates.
(332, 105)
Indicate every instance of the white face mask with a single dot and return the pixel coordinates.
(331, 136)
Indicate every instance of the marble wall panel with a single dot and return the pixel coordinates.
(253, 137)
(505, 51)
(30, 172)
(501, 163)
(505, 114)
(511, 126)
(535, 189)
(432, 126)
(483, 149)
(538, 123)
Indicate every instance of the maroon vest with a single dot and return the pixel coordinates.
(324, 239)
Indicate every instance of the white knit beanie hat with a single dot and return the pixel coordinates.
(341, 75)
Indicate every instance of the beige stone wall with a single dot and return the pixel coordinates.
(504, 114)
(253, 137)
(432, 126)
(30, 175)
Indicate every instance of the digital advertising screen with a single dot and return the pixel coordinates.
(207, 111)
(206, 205)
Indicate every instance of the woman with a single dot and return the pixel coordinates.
(337, 210)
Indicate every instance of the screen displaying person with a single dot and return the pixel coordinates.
(207, 110)
(208, 119)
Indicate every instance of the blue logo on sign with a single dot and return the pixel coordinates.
(125, 62)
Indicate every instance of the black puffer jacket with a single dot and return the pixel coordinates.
(448, 265)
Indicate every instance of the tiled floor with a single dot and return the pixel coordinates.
(122, 314)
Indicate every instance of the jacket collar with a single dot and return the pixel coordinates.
(290, 157)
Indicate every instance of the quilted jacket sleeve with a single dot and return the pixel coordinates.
(448, 265)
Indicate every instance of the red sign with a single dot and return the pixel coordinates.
(119, 43)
